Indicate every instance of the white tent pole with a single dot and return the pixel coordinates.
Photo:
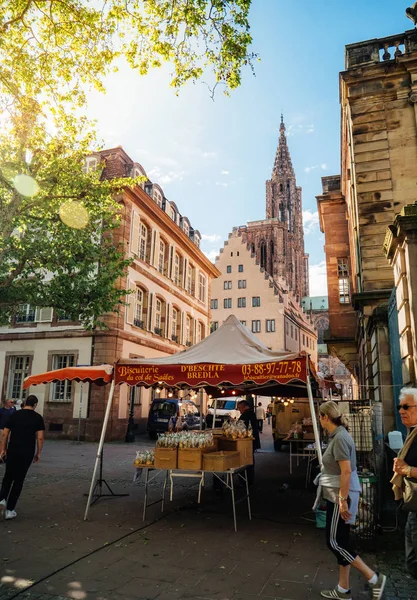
(100, 446)
(214, 414)
(314, 421)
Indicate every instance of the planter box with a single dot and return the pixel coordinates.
(166, 458)
(244, 446)
(191, 459)
(221, 461)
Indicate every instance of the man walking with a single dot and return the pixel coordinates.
(260, 416)
(24, 434)
(5, 412)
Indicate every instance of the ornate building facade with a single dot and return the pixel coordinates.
(278, 241)
(167, 310)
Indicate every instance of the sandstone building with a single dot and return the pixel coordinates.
(378, 92)
(168, 310)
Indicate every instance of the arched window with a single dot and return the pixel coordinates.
(271, 258)
(159, 328)
(190, 279)
(263, 255)
(202, 287)
(178, 263)
(144, 242)
(175, 322)
(200, 332)
(162, 257)
(188, 331)
(141, 308)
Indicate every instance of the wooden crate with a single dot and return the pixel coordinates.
(244, 446)
(221, 461)
(166, 458)
(191, 459)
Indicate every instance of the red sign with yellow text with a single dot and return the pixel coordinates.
(212, 374)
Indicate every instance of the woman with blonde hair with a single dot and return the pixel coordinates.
(339, 486)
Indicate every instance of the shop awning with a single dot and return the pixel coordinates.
(100, 375)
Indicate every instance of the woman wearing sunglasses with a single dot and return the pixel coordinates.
(405, 465)
(339, 486)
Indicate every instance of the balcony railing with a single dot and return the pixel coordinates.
(380, 50)
(188, 343)
(174, 338)
(139, 323)
(158, 331)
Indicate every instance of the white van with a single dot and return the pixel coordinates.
(226, 408)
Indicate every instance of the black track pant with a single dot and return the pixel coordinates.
(337, 535)
(17, 467)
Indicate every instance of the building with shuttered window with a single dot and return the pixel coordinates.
(167, 310)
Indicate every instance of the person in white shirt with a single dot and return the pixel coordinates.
(260, 416)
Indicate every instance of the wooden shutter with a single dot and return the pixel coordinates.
(44, 315)
(135, 233)
(131, 299)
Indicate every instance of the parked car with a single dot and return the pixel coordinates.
(226, 408)
(163, 409)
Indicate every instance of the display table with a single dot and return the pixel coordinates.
(225, 477)
(302, 448)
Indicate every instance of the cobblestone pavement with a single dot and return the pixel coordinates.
(189, 551)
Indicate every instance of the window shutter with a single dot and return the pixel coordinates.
(167, 320)
(134, 234)
(131, 299)
(150, 315)
(44, 315)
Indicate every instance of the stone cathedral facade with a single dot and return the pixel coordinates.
(278, 241)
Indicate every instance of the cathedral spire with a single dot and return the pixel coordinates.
(282, 165)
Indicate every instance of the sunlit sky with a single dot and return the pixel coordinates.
(212, 158)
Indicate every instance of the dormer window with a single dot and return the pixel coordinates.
(91, 163)
(173, 214)
(148, 189)
(185, 228)
(157, 197)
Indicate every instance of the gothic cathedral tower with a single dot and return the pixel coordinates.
(278, 241)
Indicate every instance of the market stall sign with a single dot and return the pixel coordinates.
(284, 371)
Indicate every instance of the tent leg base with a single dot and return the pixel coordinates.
(98, 492)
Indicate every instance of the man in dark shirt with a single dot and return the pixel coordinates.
(407, 467)
(247, 415)
(23, 436)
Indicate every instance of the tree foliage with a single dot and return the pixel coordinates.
(51, 51)
(55, 47)
(43, 261)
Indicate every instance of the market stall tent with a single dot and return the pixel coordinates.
(230, 359)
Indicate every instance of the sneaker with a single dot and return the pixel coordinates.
(3, 504)
(378, 587)
(10, 514)
(336, 594)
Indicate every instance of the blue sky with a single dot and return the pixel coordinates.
(213, 158)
